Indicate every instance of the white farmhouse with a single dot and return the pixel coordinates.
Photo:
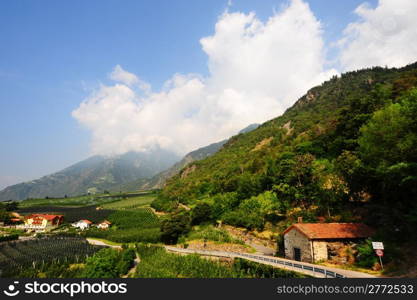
(104, 225)
(82, 224)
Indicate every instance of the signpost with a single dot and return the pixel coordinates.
(379, 250)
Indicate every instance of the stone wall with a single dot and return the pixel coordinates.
(295, 239)
(319, 250)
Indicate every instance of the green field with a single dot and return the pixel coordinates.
(139, 225)
(124, 200)
(71, 201)
(130, 203)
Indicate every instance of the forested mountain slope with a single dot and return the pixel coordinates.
(346, 151)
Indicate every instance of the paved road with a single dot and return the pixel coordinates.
(260, 249)
(291, 265)
(101, 243)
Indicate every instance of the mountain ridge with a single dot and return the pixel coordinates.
(96, 173)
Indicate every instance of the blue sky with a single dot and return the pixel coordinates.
(54, 54)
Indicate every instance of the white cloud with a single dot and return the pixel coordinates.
(257, 70)
(384, 35)
(130, 79)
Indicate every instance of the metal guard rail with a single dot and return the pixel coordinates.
(298, 265)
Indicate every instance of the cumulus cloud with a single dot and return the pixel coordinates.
(256, 70)
(130, 79)
(384, 35)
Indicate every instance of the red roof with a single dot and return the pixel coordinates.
(332, 230)
(106, 222)
(44, 216)
(86, 221)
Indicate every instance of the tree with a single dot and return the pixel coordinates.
(102, 264)
(202, 212)
(388, 148)
(171, 228)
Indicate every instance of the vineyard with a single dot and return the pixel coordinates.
(19, 255)
(71, 214)
(130, 203)
(139, 218)
(139, 225)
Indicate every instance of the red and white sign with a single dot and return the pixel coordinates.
(379, 252)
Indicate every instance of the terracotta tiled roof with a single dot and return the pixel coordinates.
(332, 230)
(86, 221)
(43, 216)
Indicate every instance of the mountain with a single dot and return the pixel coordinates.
(159, 180)
(345, 151)
(97, 173)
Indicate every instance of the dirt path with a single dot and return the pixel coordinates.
(132, 270)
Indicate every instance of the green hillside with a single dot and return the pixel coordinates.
(346, 151)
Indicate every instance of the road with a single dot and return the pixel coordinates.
(291, 265)
(101, 243)
(287, 264)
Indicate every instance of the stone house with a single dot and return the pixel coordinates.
(312, 242)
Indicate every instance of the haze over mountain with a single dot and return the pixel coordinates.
(159, 179)
(95, 174)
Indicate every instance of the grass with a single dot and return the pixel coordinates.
(210, 233)
(130, 203)
(351, 268)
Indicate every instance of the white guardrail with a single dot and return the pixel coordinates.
(294, 265)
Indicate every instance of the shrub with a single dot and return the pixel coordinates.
(366, 257)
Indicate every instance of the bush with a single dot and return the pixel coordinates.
(366, 257)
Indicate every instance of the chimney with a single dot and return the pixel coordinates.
(300, 220)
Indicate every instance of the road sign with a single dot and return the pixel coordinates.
(378, 245)
(379, 252)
